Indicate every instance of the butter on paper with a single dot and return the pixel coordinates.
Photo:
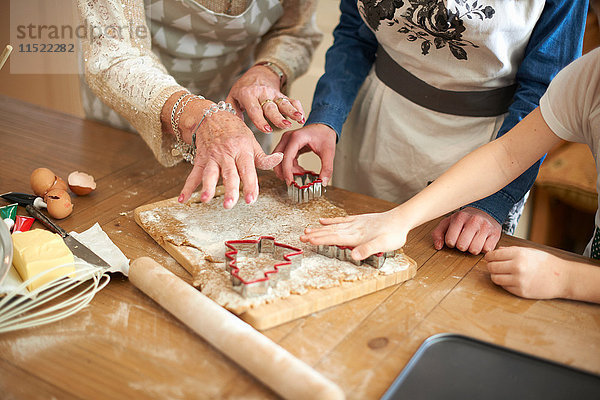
(94, 238)
(40, 250)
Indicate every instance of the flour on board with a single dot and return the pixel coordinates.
(200, 231)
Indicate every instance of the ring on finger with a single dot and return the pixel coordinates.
(278, 100)
(265, 102)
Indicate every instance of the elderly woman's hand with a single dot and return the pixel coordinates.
(258, 93)
(224, 146)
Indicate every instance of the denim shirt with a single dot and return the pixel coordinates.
(555, 41)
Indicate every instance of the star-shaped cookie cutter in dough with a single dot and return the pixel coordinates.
(342, 253)
(306, 186)
(291, 256)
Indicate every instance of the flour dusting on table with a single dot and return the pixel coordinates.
(200, 231)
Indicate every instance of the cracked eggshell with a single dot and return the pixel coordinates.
(81, 183)
(59, 203)
(60, 184)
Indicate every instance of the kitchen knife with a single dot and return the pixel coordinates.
(77, 248)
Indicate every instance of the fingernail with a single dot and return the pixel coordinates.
(180, 198)
(268, 128)
(302, 121)
(286, 122)
(297, 114)
(204, 197)
(228, 203)
(249, 198)
(325, 181)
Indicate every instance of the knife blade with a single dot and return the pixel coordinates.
(77, 248)
(82, 251)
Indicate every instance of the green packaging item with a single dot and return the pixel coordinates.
(9, 212)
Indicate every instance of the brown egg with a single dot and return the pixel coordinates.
(59, 203)
(81, 183)
(41, 181)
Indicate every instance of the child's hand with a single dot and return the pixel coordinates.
(367, 233)
(527, 272)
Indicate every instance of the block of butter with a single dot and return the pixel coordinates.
(38, 250)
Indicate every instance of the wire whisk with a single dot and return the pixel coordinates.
(18, 311)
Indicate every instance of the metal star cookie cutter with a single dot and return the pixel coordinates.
(292, 259)
(306, 186)
(342, 253)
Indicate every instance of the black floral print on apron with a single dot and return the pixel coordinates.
(595, 250)
(429, 22)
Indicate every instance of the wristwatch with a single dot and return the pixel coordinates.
(277, 70)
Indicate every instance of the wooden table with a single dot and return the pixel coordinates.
(123, 345)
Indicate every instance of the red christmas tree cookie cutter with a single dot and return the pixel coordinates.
(291, 256)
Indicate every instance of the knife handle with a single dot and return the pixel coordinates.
(37, 214)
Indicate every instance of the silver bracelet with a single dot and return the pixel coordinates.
(215, 108)
(175, 109)
(178, 116)
(180, 146)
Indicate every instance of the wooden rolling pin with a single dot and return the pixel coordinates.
(266, 360)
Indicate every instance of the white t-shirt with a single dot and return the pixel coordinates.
(571, 108)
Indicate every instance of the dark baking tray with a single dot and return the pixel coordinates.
(449, 366)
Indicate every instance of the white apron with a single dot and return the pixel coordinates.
(390, 147)
(204, 51)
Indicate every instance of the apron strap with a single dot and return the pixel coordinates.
(486, 103)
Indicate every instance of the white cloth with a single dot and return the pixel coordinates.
(98, 241)
(391, 148)
(571, 108)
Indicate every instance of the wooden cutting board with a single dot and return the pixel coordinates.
(295, 306)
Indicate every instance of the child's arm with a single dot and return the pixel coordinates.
(477, 175)
(536, 274)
